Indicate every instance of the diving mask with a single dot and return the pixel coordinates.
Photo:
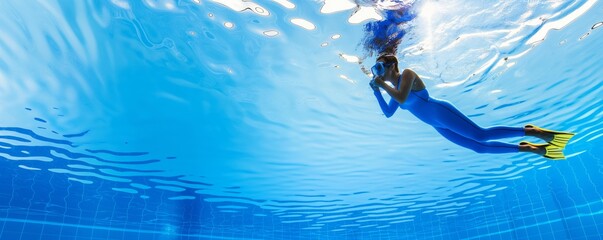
(379, 68)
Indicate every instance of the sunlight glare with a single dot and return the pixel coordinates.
(427, 12)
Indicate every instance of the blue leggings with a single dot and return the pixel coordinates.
(453, 124)
(458, 128)
(483, 146)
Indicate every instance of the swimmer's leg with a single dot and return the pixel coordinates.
(449, 117)
(477, 146)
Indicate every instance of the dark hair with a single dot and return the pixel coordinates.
(384, 36)
(389, 58)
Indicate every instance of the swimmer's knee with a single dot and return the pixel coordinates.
(479, 135)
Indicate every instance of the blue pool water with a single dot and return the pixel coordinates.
(232, 119)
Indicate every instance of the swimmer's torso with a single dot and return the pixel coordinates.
(417, 91)
(418, 84)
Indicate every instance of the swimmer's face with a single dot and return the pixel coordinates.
(385, 64)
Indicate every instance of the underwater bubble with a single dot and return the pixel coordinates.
(597, 25)
(261, 11)
(285, 3)
(303, 23)
(350, 58)
(344, 77)
(336, 36)
(228, 25)
(271, 33)
(324, 44)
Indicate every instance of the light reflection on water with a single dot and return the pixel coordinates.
(249, 107)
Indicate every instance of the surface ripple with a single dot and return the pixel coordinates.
(195, 100)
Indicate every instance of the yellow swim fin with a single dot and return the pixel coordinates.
(552, 151)
(560, 139)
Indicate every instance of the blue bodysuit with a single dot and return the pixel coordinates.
(453, 124)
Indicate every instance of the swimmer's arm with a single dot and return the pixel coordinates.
(388, 109)
(408, 79)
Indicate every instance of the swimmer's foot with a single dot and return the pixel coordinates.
(556, 138)
(546, 150)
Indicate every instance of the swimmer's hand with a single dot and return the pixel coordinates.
(379, 81)
(374, 85)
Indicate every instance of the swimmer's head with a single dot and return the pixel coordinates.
(389, 58)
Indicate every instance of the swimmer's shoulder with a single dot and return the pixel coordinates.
(418, 84)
